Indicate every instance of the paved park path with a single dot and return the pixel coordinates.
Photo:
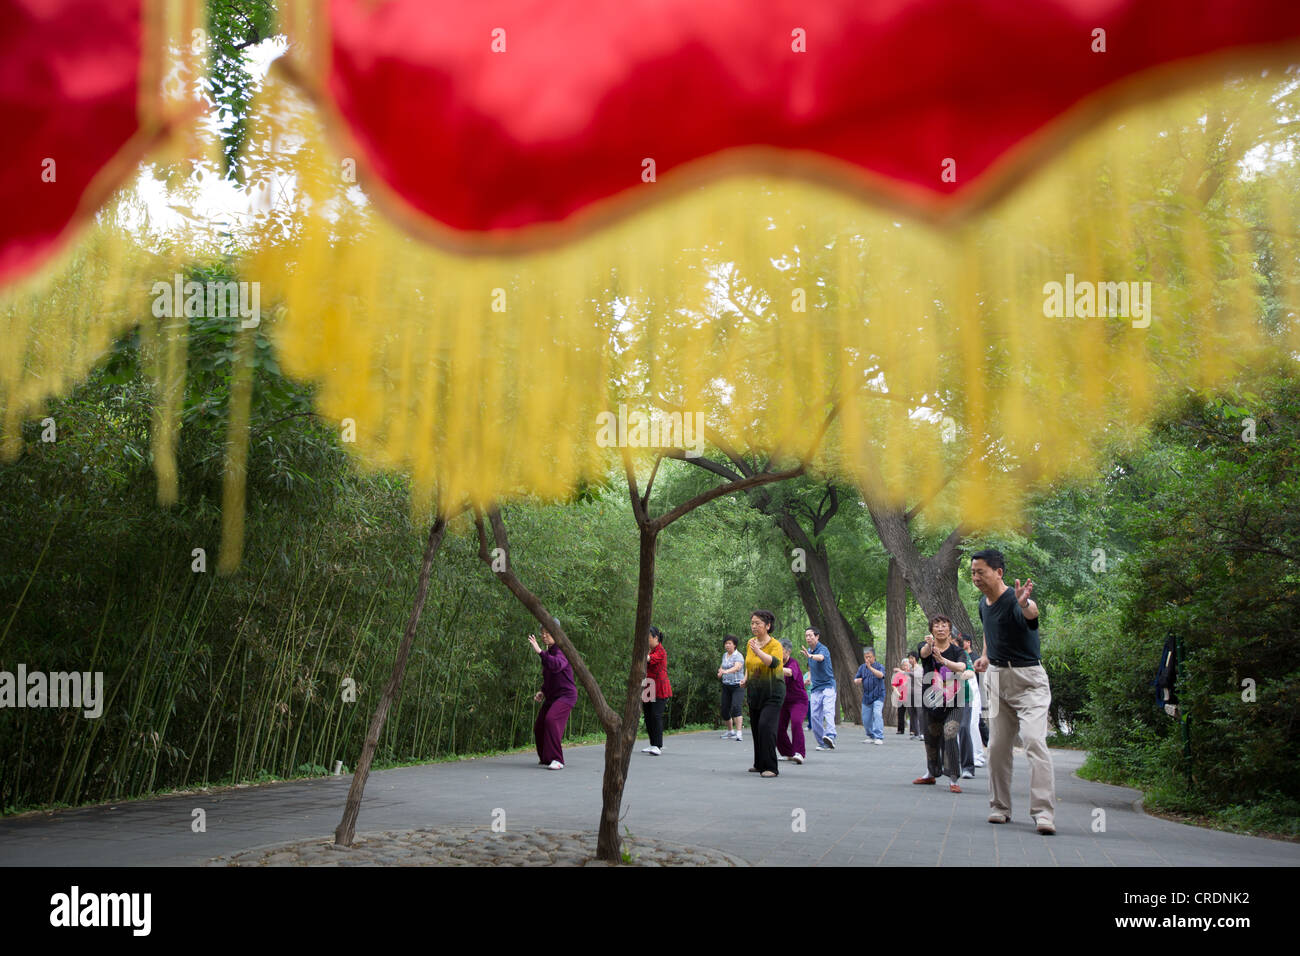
(858, 803)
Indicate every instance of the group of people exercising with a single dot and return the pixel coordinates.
(769, 678)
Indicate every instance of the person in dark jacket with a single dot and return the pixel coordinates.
(653, 709)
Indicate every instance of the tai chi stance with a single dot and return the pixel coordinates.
(871, 679)
(653, 709)
(789, 729)
(557, 697)
(943, 700)
(821, 695)
(732, 674)
(1017, 688)
(764, 689)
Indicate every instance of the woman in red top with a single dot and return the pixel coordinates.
(653, 709)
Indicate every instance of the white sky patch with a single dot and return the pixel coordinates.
(1264, 157)
(207, 202)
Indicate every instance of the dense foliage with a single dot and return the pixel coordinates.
(1213, 506)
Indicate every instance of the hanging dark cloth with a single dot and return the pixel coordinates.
(1166, 677)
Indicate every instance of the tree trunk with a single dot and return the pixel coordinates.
(808, 597)
(616, 755)
(347, 826)
(817, 594)
(619, 744)
(934, 579)
(895, 628)
(839, 636)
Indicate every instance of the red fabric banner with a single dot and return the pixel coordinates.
(503, 114)
(69, 81)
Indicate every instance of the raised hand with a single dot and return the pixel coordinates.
(1024, 592)
(532, 639)
(539, 697)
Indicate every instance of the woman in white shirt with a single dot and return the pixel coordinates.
(732, 673)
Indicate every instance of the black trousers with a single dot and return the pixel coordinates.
(653, 711)
(942, 747)
(903, 711)
(733, 701)
(763, 716)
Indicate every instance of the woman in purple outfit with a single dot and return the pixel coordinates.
(557, 697)
(793, 710)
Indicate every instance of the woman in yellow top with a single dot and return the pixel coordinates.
(764, 689)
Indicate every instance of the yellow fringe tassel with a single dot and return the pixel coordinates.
(965, 367)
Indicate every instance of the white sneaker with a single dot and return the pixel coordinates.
(797, 758)
(555, 765)
(879, 742)
(820, 747)
(728, 734)
(829, 742)
(653, 751)
(739, 737)
(779, 757)
(967, 775)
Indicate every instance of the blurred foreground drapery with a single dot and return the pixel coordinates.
(86, 90)
(510, 269)
(501, 124)
(760, 302)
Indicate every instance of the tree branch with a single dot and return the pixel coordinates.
(762, 478)
(698, 461)
(608, 718)
(950, 544)
(654, 470)
(823, 518)
(713, 437)
(638, 510)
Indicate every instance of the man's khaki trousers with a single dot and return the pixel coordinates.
(1018, 701)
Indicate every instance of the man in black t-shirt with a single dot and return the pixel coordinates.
(1018, 693)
